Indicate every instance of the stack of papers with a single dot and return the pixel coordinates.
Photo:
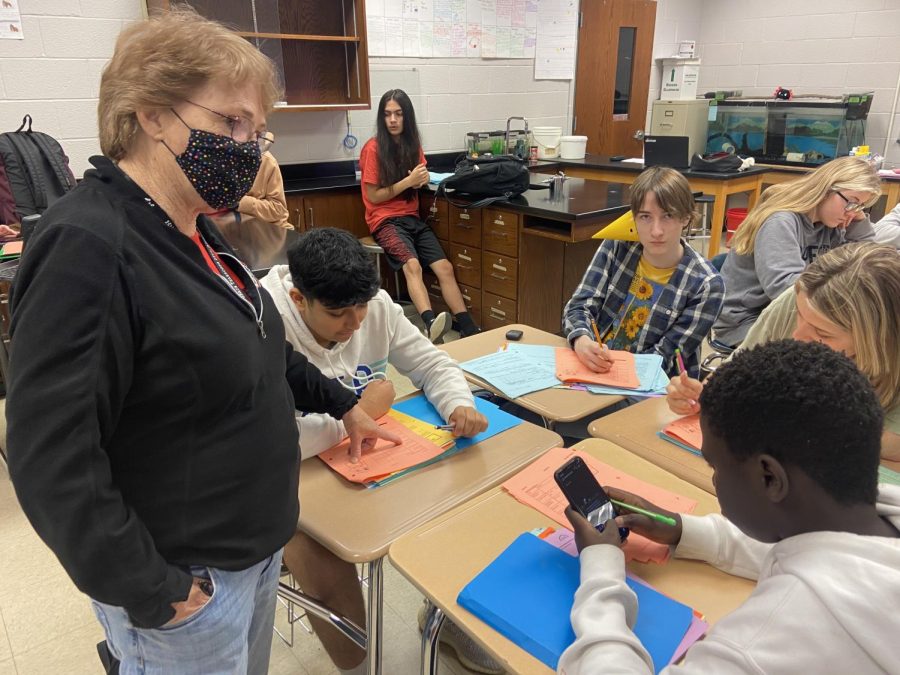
(527, 593)
(517, 370)
(685, 433)
(414, 420)
(885, 475)
(623, 373)
(534, 486)
(11, 249)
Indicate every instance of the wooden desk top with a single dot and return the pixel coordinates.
(358, 524)
(441, 557)
(635, 427)
(557, 405)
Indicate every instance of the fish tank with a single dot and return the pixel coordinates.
(804, 132)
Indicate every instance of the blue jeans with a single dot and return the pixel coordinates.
(230, 634)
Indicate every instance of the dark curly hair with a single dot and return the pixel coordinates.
(805, 405)
(331, 266)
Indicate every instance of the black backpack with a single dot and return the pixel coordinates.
(487, 179)
(34, 173)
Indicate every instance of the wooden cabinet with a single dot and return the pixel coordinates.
(319, 47)
(465, 226)
(500, 275)
(435, 212)
(497, 311)
(466, 261)
(501, 232)
(335, 208)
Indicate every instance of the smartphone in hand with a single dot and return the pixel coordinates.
(585, 494)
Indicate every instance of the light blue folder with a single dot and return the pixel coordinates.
(498, 421)
(526, 594)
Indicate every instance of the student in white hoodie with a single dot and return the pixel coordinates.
(335, 314)
(796, 471)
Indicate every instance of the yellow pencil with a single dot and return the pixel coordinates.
(596, 331)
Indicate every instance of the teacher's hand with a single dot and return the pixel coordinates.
(364, 432)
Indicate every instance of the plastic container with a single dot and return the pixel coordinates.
(733, 218)
(547, 140)
(573, 147)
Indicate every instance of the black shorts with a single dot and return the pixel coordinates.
(407, 237)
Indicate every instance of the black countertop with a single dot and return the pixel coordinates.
(604, 162)
(579, 199)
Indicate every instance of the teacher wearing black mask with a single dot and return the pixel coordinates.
(152, 441)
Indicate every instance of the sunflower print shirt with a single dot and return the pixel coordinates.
(643, 293)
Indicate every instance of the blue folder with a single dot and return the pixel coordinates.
(498, 420)
(526, 594)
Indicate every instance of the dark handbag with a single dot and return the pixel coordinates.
(486, 179)
(719, 162)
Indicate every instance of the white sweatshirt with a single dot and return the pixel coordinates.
(825, 602)
(385, 336)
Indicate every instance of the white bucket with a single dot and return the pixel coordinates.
(547, 141)
(572, 147)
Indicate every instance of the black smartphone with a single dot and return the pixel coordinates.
(585, 494)
(514, 335)
(617, 158)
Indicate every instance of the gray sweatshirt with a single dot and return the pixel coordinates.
(786, 243)
(887, 230)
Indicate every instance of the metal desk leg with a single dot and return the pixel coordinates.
(375, 615)
(434, 619)
(346, 626)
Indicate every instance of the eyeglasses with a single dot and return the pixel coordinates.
(241, 129)
(852, 207)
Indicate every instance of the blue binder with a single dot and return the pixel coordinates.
(526, 594)
(498, 420)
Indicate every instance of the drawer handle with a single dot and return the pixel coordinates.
(499, 277)
(497, 313)
(498, 233)
(464, 226)
(501, 268)
(460, 266)
(462, 256)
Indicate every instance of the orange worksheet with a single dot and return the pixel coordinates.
(536, 487)
(12, 248)
(386, 458)
(686, 430)
(622, 374)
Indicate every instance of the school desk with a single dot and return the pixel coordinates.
(635, 427)
(441, 557)
(553, 405)
(358, 525)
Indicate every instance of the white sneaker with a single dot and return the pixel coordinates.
(469, 654)
(439, 327)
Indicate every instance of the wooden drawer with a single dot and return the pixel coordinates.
(439, 220)
(465, 226)
(434, 292)
(500, 232)
(500, 275)
(466, 262)
(472, 298)
(497, 311)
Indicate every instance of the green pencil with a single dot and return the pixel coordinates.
(644, 512)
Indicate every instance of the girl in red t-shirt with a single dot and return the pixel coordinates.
(393, 169)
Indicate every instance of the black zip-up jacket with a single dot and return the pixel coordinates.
(150, 414)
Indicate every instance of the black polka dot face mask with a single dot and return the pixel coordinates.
(221, 169)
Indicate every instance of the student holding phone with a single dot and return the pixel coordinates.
(796, 473)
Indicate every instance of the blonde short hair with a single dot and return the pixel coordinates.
(806, 193)
(857, 287)
(672, 190)
(162, 61)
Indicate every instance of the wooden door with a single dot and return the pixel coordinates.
(612, 77)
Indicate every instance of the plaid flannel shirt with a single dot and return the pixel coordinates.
(681, 317)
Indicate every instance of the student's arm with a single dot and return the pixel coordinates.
(416, 179)
(714, 539)
(693, 324)
(590, 294)
(429, 368)
(69, 375)
(272, 206)
(778, 254)
(860, 229)
(890, 446)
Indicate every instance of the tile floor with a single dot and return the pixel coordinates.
(47, 627)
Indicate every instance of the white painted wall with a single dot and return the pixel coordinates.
(824, 46)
